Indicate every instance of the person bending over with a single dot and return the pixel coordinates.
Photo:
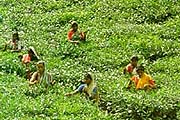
(41, 76)
(13, 44)
(27, 58)
(88, 87)
(74, 34)
(142, 80)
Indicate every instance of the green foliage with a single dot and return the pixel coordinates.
(116, 30)
(1, 18)
(11, 64)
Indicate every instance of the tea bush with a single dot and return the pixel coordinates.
(116, 30)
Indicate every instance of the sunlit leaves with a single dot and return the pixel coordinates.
(117, 30)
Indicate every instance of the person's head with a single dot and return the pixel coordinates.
(15, 37)
(33, 53)
(74, 25)
(134, 60)
(140, 70)
(40, 65)
(87, 78)
(30, 52)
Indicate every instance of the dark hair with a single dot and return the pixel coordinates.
(41, 62)
(135, 58)
(30, 50)
(88, 75)
(73, 23)
(34, 56)
(17, 35)
(140, 67)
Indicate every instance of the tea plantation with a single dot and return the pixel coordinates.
(117, 29)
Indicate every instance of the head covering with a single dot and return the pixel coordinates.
(41, 62)
(87, 76)
(74, 23)
(34, 52)
(134, 57)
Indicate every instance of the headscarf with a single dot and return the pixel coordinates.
(34, 52)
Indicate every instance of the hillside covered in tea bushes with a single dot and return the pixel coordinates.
(117, 29)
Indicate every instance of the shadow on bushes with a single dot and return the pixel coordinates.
(43, 112)
(133, 110)
(35, 94)
(158, 55)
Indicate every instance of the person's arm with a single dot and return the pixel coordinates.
(83, 36)
(28, 74)
(72, 93)
(16, 47)
(152, 83)
(128, 69)
(15, 50)
(75, 42)
(80, 89)
(34, 79)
